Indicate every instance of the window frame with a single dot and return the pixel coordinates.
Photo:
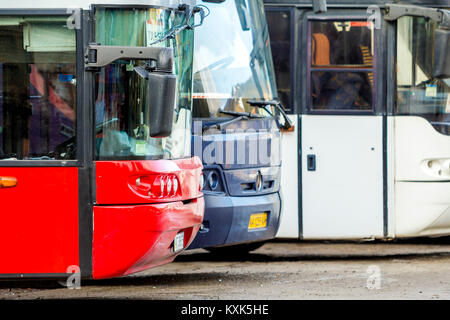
(376, 70)
(80, 133)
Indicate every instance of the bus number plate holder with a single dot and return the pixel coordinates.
(257, 221)
(178, 242)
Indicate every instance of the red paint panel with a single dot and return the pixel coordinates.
(116, 180)
(132, 238)
(39, 220)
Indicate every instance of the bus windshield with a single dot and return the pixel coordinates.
(418, 92)
(121, 131)
(233, 61)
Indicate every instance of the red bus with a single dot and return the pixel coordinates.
(96, 172)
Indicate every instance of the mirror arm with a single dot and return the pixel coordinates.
(97, 56)
(445, 23)
(396, 11)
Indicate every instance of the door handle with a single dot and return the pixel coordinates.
(8, 182)
(311, 162)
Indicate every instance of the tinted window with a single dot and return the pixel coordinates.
(37, 89)
(279, 23)
(342, 65)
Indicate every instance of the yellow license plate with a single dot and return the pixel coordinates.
(257, 220)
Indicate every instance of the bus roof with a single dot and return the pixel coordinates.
(86, 4)
(360, 3)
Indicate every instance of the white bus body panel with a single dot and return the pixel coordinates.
(289, 221)
(416, 144)
(422, 209)
(343, 197)
(422, 178)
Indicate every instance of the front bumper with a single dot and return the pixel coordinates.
(227, 218)
(133, 238)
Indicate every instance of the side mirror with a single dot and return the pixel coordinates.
(162, 89)
(441, 66)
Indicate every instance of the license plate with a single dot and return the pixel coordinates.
(178, 242)
(257, 221)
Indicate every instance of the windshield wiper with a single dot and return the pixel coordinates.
(241, 114)
(185, 24)
(238, 116)
(277, 104)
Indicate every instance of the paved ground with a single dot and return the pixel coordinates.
(278, 270)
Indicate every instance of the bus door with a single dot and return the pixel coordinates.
(341, 137)
(38, 146)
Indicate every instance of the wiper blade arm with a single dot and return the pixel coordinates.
(223, 124)
(241, 114)
(238, 116)
(185, 24)
(263, 103)
(277, 104)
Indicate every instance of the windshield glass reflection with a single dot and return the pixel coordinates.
(233, 61)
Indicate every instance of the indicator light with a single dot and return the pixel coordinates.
(8, 182)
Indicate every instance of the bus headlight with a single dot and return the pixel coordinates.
(213, 180)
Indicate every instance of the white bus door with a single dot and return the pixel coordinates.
(341, 135)
(342, 177)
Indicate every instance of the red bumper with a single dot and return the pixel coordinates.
(132, 238)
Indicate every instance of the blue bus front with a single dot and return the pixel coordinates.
(235, 132)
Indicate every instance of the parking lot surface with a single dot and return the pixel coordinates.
(278, 270)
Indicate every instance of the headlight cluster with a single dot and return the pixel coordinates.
(158, 186)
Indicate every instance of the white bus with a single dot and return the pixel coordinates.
(366, 84)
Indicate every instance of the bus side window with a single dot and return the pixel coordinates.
(279, 24)
(342, 69)
(37, 89)
(418, 92)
